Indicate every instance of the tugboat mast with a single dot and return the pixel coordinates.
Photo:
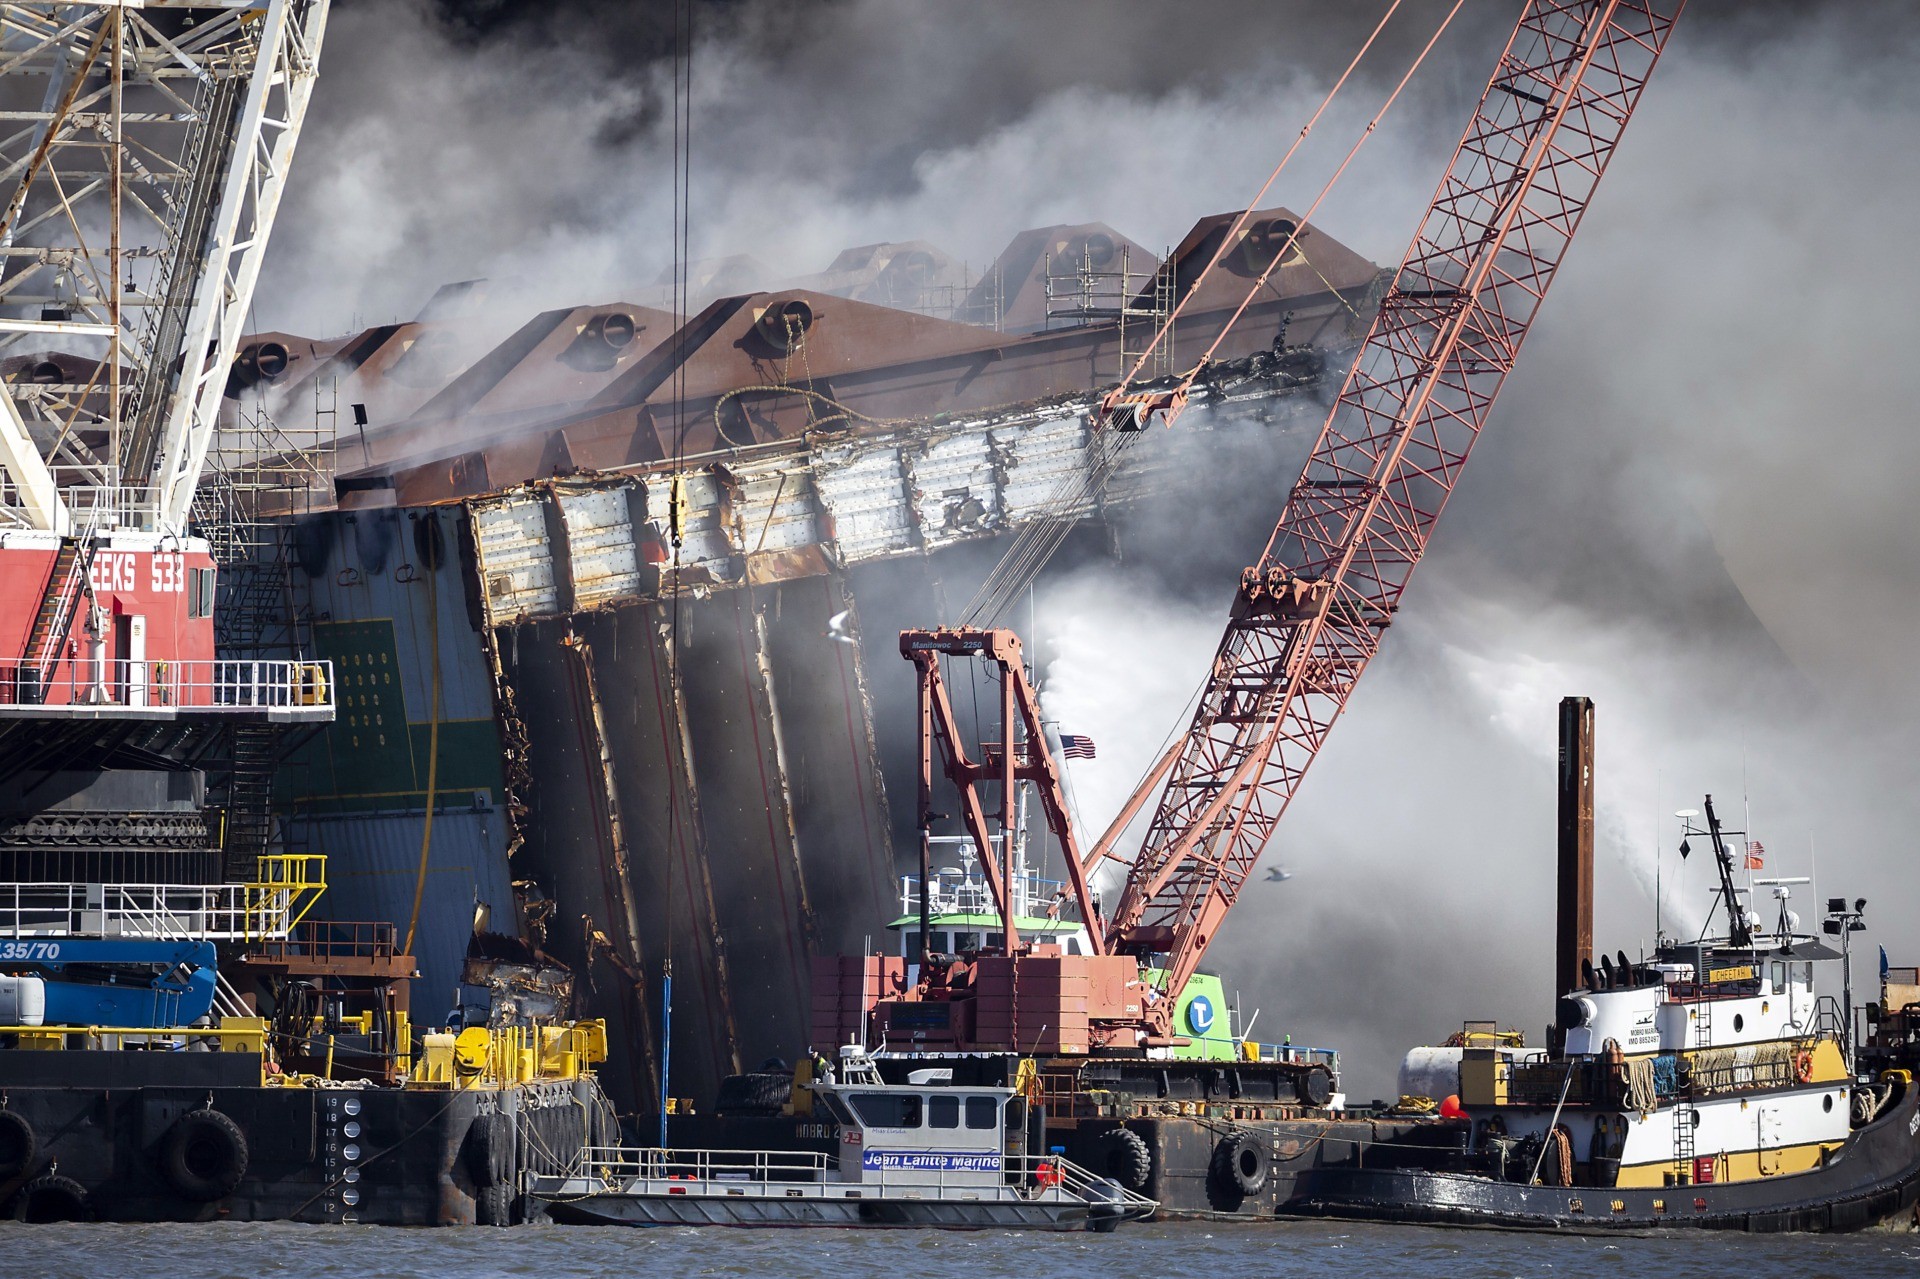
(1739, 928)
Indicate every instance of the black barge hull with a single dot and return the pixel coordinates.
(179, 1137)
(1875, 1179)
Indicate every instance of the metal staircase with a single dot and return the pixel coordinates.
(249, 825)
(65, 585)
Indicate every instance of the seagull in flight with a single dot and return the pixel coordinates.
(1278, 875)
(837, 627)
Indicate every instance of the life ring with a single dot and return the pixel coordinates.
(18, 1145)
(50, 1198)
(1128, 1161)
(1048, 1174)
(1803, 1065)
(204, 1156)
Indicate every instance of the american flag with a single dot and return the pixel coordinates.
(1076, 746)
(1756, 855)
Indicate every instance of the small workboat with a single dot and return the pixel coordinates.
(927, 1153)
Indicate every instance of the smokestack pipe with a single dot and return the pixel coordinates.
(1573, 933)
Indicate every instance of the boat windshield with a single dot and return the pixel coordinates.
(886, 1109)
(837, 1108)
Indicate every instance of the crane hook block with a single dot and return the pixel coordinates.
(1132, 411)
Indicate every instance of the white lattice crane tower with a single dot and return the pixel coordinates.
(144, 148)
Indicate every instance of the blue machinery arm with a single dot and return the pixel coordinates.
(130, 982)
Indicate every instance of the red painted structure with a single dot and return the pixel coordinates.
(122, 619)
(1310, 614)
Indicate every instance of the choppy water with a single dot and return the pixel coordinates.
(1181, 1251)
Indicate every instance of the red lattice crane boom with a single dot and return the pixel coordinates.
(1309, 615)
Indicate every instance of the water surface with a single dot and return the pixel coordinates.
(1185, 1250)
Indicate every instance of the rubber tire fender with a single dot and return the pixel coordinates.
(18, 1145)
(493, 1205)
(68, 1197)
(204, 1155)
(1223, 1193)
(1247, 1159)
(1126, 1157)
(489, 1149)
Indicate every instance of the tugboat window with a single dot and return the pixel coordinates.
(983, 1112)
(886, 1109)
(943, 1112)
(1739, 1023)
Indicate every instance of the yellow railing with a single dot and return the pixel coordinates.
(285, 888)
(233, 1035)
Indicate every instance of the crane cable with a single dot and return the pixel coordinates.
(1036, 543)
(1040, 538)
(681, 216)
(1294, 235)
(1230, 240)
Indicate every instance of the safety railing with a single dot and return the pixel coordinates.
(333, 940)
(621, 1163)
(1829, 1022)
(1294, 1055)
(290, 689)
(287, 887)
(956, 892)
(1047, 1176)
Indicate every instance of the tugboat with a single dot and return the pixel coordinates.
(1705, 1085)
(925, 1153)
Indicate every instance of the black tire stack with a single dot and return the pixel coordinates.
(490, 1162)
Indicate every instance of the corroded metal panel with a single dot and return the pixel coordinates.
(954, 495)
(601, 550)
(515, 558)
(777, 509)
(860, 485)
(707, 549)
(783, 513)
(1040, 462)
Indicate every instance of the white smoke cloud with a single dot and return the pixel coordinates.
(430, 159)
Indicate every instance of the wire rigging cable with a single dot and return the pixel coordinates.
(682, 218)
(1037, 541)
